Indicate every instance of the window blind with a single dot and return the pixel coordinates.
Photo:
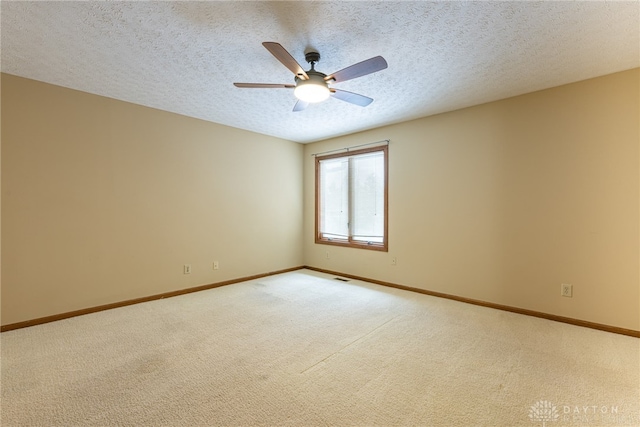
(352, 198)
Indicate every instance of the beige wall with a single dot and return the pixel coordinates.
(104, 201)
(506, 201)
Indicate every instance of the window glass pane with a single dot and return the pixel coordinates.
(351, 199)
(334, 201)
(368, 197)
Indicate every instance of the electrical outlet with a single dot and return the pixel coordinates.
(326, 255)
(216, 265)
(394, 261)
(566, 290)
(186, 269)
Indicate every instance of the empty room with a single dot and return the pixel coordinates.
(320, 213)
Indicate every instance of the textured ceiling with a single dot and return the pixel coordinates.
(184, 56)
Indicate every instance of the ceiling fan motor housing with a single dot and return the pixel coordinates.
(314, 76)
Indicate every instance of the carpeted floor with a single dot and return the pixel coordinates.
(303, 349)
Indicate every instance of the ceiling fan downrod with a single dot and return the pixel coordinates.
(312, 58)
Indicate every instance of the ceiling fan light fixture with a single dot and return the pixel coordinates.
(313, 90)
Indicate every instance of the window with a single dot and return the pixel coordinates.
(351, 199)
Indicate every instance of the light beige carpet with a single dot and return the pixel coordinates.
(303, 349)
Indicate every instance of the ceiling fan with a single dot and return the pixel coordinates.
(313, 86)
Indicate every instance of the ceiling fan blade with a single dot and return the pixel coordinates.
(264, 85)
(300, 105)
(285, 57)
(351, 97)
(360, 69)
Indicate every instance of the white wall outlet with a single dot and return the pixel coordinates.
(394, 261)
(326, 255)
(216, 265)
(566, 290)
(186, 269)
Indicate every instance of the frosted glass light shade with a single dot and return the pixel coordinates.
(312, 90)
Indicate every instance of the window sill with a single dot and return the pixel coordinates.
(350, 244)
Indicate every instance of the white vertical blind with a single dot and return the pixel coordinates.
(334, 201)
(367, 197)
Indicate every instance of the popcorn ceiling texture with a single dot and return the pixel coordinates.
(184, 56)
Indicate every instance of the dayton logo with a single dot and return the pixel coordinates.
(543, 411)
